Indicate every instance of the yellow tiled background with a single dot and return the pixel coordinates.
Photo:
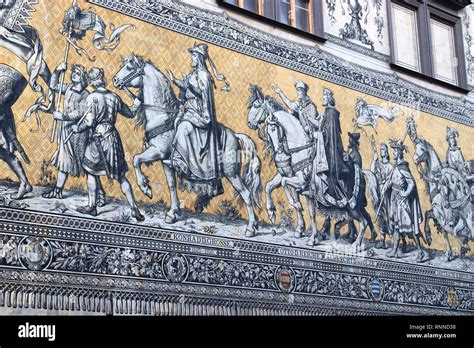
(167, 49)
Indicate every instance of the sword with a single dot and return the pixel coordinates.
(82, 118)
(102, 157)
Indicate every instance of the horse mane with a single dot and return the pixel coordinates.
(275, 104)
(169, 96)
(255, 93)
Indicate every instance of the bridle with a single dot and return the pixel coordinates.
(137, 72)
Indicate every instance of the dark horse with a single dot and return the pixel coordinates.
(12, 85)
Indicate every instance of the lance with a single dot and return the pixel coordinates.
(62, 77)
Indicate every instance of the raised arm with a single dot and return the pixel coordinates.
(54, 83)
(290, 104)
(180, 83)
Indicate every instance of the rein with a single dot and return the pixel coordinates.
(140, 72)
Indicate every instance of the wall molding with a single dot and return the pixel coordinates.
(104, 263)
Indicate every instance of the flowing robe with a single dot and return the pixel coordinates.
(338, 170)
(198, 137)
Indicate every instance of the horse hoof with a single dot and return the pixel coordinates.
(420, 257)
(297, 234)
(311, 242)
(170, 218)
(250, 232)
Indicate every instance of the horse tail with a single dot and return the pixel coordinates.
(373, 188)
(251, 169)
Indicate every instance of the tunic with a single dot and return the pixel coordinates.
(306, 111)
(382, 172)
(68, 156)
(101, 119)
(406, 215)
(455, 160)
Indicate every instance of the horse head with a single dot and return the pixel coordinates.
(130, 73)
(421, 153)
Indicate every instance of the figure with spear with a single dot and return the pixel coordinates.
(71, 147)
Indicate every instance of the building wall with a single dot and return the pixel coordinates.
(204, 262)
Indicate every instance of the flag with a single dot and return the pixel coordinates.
(368, 115)
(77, 22)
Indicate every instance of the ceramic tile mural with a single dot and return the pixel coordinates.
(162, 159)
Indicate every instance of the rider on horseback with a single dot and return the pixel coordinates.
(303, 108)
(198, 142)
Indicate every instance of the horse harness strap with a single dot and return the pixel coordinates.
(151, 133)
(300, 148)
(157, 108)
(302, 164)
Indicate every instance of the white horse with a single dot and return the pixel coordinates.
(158, 112)
(450, 198)
(291, 153)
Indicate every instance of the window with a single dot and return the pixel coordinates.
(306, 15)
(426, 37)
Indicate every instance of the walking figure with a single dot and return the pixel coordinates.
(69, 154)
(104, 154)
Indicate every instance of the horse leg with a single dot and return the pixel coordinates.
(238, 185)
(363, 223)
(17, 168)
(338, 226)
(273, 184)
(448, 254)
(428, 215)
(172, 215)
(326, 230)
(151, 154)
(464, 243)
(291, 185)
(421, 253)
(314, 227)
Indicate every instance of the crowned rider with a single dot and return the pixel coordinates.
(454, 157)
(303, 108)
(198, 142)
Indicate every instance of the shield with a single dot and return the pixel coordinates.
(285, 279)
